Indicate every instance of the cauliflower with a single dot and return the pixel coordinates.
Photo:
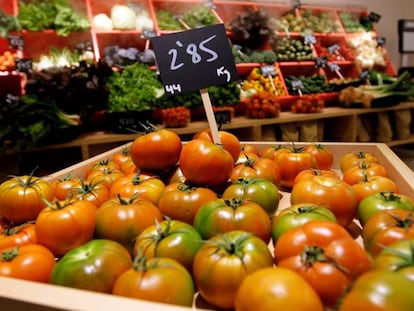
(123, 17)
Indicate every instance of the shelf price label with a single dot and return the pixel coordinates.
(24, 64)
(16, 42)
(381, 41)
(310, 39)
(268, 70)
(297, 86)
(321, 62)
(296, 4)
(194, 59)
(334, 48)
(364, 75)
(374, 17)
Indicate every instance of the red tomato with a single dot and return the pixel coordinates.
(122, 156)
(311, 172)
(276, 288)
(18, 236)
(123, 219)
(260, 167)
(93, 191)
(325, 255)
(224, 261)
(156, 279)
(351, 159)
(204, 163)
(65, 225)
(181, 201)
(358, 172)
(156, 151)
(31, 262)
(322, 154)
(331, 192)
(386, 227)
(273, 151)
(249, 148)
(106, 176)
(229, 141)
(371, 185)
(220, 216)
(63, 187)
(101, 165)
(21, 198)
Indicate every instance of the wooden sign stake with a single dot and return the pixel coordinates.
(210, 116)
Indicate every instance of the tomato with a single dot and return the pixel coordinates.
(322, 154)
(385, 200)
(293, 161)
(249, 148)
(297, 215)
(102, 165)
(220, 216)
(311, 172)
(259, 190)
(325, 255)
(379, 290)
(375, 184)
(123, 219)
(204, 163)
(121, 157)
(246, 156)
(259, 167)
(398, 257)
(106, 176)
(276, 288)
(170, 238)
(224, 261)
(21, 198)
(156, 279)
(93, 266)
(146, 186)
(229, 141)
(273, 151)
(64, 225)
(156, 151)
(63, 187)
(129, 167)
(331, 192)
(181, 201)
(31, 262)
(93, 191)
(361, 169)
(18, 236)
(386, 227)
(351, 159)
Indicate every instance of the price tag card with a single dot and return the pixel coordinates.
(24, 64)
(310, 39)
(297, 85)
(334, 67)
(321, 62)
(333, 48)
(16, 42)
(194, 59)
(381, 41)
(296, 4)
(148, 33)
(374, 17)
(268, 70)
(364, 75)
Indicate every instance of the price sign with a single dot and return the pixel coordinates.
(334, 67)
(364, 75)
(374, 17)
(333, 48)
(268, 70)
(297, 85)
(321, 62)
(16, 42)
(381, 41)
(310, 39)
(194, 59)
(296, 4)
(148, 33)
(24, 64)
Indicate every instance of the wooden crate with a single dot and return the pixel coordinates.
(25, 295)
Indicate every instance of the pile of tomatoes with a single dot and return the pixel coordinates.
(161, 220)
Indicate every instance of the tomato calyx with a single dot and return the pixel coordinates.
(405, 223)
(10, 254)
(233, 203)
(127, 201)
(306, 209)
(389, 196)
(408, 259)
(313, 253)
(186, 187)
(16, 229)
(232, 247)
(140, 262)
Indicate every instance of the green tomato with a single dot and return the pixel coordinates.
(297, 215)
(92, 266)
(388, 200)
(258, 190)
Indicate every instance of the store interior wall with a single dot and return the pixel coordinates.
(391, 11)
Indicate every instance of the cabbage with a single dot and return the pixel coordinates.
(123, 17)
(102, 22)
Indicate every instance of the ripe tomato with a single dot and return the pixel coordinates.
(357, 173)
(220, 216)
(204, 163)
(31, 262)
(63, 187)
(397, 257)
(322, 154)
(297, 215)
(246, 156)
(101, 165)
(229, 141)
(276, 288)
(93, 266)
(93, 191)
(273, 151)
(386, 200)
(156, 279)
(181, 201)
(106, 176)
(124, 155)
(170, 238)
(21, 198)
(311, 172)
(249, 148)
(224, 261)
(351, 159)
(259, 167)
(325, 255)
(259, 190)
(333, 193)
(123, 219)
(386, 227)
(146, 186)
(293, 161)
(64, 225)
(371, 185)
(18, 236)
(156, 151)
(379, 290)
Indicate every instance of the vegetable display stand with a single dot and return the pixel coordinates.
(21, 295)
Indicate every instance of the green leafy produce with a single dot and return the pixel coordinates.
(135, 88)
(199, 16)
(311, 84)
(8, 23)
(167, 21)
(40, 15)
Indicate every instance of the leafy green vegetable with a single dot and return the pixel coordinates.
(8, 23)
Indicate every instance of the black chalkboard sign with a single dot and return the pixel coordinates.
(24, 64)
(16, 42)
(194, 59)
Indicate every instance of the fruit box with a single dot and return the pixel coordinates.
(24, 295)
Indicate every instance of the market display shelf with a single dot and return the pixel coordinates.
(25, 295)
